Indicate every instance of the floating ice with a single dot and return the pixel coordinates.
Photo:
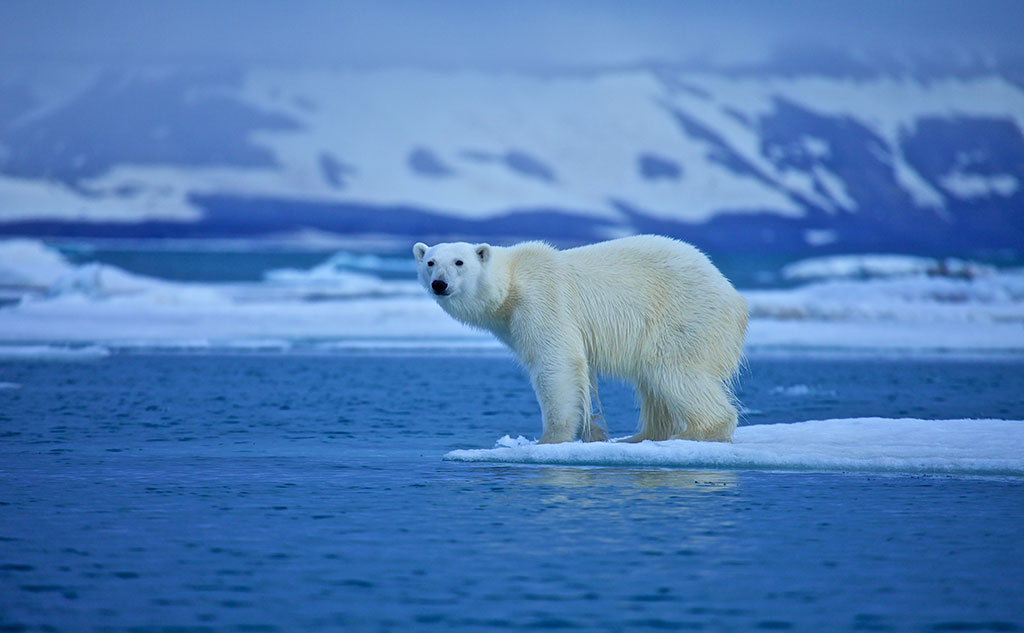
(347, 261)
(875, 266)
(962, 447)
(46, 299)
(99, 280)
(997, 297)
(32, 270)
(30, 264)
(52, 352)
(798, 391)
(347, 274)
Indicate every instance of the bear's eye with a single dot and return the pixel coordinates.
(458, 262)
(430, 263)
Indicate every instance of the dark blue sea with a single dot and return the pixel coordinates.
(218, 491)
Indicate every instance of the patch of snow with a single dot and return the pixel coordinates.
(967, 185)
(820, 237)
(835, 188)
(815, 147)
(798, 391)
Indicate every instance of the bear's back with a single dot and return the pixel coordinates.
(652, 262)
(643, 291)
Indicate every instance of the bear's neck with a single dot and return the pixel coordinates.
(491, 306)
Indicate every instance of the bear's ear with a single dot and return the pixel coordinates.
(419, 250)
(483, 251)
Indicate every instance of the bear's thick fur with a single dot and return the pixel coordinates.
(650, 310)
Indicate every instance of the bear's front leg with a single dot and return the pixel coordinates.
(562, 385)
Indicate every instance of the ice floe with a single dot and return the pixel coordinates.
(886, 445)
(875, 266)
(52, 352)
(995, 297)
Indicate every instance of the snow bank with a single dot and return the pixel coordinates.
(47, 299)
(891, 302)
(347, 261)
(995, 297)
(40, 272)
(350, 274)
(337, 283)
(961, 447)
(30, 264)
(59, 301)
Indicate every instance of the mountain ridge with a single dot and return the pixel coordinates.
(803, 161)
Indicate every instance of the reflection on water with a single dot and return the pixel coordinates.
(631, 482)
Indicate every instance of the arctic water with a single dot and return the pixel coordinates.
(287, 491)
(267, 440)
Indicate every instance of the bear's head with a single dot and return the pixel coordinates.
(451, 269)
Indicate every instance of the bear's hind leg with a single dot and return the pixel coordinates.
(689, 405)
(655, 420)
(594, 432)
(709, 412)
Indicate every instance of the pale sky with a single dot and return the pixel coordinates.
(484, 34)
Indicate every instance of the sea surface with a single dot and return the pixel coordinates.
(298, 491)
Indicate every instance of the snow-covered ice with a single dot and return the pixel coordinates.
(52, 352)
(342, 303)
(798, 391)
(997, 297)
(29, 263)
(877, 265)
(963, 447)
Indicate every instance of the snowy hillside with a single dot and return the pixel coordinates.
(755, 160)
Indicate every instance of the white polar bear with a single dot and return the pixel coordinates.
(647, 309)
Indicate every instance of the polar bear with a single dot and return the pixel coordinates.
(650, 310)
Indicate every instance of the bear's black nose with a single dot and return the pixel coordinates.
(438, 286)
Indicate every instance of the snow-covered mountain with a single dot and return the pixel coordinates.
(754, 160)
